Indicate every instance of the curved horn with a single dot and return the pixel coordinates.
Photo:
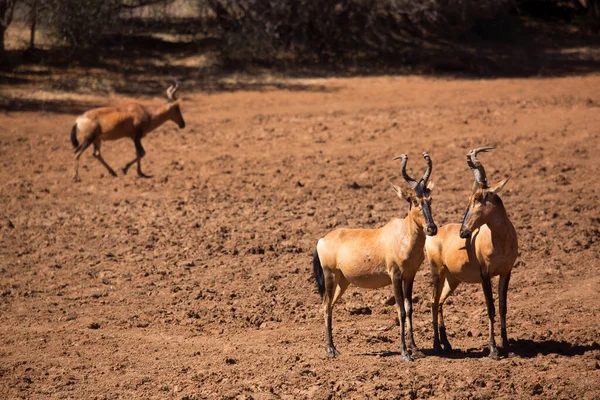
(171, 92)
(411, 182)
(476, 165)
(429, 165)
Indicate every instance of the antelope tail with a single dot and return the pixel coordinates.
(74, 141)
(318, 273)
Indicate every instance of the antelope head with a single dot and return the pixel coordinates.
(483, 200)
(420, 196)
(174, 110)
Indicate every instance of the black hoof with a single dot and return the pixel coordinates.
(416, 353)
(504, 349)
(494, 354)
(447, 348)
(332, 352)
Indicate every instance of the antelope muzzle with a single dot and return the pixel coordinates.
(431, 230)
(465, 233)
(180, 121)
(430, 226)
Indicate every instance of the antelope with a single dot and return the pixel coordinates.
(374, 258)
(483, 246)
(131, 120)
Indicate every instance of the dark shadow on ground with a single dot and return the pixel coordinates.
(529, 348)
(458, 353)
(454, 354)
(379, 354)
(135, 64)
(139, 66)
(531, 55)
(8, 103)
(524, 348)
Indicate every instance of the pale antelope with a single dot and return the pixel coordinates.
(483, 246)
(131, 120)
(374, 258)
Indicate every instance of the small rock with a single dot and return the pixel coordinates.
(361, 311)
(390, 301)
(537, 389)
(71, 317)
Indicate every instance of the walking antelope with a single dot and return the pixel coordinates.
(131, 120)
(374, 258)
(483, 246)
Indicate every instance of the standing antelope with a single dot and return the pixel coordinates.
(131, 120)
(374, 258)
(483, 246)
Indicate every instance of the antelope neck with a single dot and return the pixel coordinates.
(159, 116)
(412, 228)
(499, 224)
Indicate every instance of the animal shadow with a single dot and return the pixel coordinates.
(527, 348)
(379, 354)
(524, 348)
(458, 353)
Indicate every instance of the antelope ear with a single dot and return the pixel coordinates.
(401, 194)
(475, 187)
(497, 188)
(430, 185)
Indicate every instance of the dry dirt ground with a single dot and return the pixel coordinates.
(197, 283)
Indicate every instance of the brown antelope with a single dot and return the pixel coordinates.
(483, 246)
(131, 120)
(374, 258)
